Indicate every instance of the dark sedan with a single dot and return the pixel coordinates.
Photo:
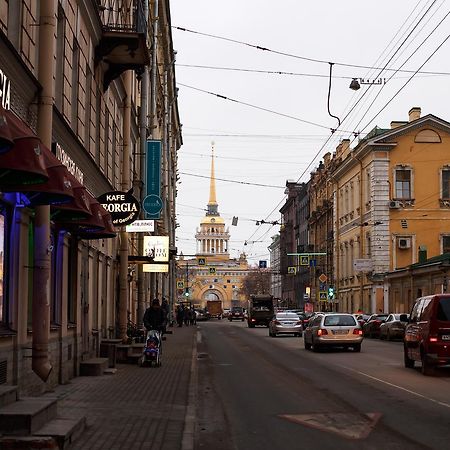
(372, 327)
(393, 327)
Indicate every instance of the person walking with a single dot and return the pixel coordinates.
(180, 315)
(154, 317)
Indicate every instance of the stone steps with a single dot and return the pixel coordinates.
(93, 367)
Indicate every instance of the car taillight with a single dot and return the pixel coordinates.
(433, 339)
(253, 320)
(321, 332)
(357, 331)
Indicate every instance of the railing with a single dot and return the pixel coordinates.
(122, 15)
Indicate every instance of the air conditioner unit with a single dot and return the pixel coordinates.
(395, 204)
(404, 242)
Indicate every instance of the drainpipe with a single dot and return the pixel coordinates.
(143, 136)
(153, 95)
(125, 186)
(42, 253)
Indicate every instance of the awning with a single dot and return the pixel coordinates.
(56, 190)
(108, 232)
(6, 139)
(77, 209)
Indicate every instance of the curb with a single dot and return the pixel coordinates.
(187, 442)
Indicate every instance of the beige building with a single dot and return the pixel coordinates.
(392, 200)
(212, 275)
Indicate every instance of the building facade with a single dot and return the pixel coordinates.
(275, 277)
(69, 128)
(212, 274)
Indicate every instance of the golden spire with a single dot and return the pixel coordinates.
(212, 185)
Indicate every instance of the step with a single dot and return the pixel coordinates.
(8, 395)
(64, 431)
(122, 351)
(28, 443)
(27, 415)
(93, 367)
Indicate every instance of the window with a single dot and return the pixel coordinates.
(446, 244)
(446, 183)
(2, 268)
(443, 312)
(403, 183)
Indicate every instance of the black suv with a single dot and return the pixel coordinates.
(236, 313)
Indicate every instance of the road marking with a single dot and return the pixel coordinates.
(347, 425)
(199, 337)
(396, 386)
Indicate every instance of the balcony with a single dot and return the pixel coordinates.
(123, 44)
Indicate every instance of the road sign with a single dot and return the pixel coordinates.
(263, 264)
(180, 284)
(312, 262)
(323, 278)
(304, 260)
(292, 270)
(212, 270)
(202, 261)
(323, 296)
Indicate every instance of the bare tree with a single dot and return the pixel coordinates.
(256, 282)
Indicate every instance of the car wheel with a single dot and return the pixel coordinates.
(427, 368)
(381, 336)
(409, 363)
(315, 347)
(357, 348)
(307, 346)
(250, 325)
(388, 336)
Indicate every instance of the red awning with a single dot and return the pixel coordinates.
(6, 139)
(77, 209)
(108, 232)
(93, 223)
(57, 189)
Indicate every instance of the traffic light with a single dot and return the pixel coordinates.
(186, 293)
(331, 293)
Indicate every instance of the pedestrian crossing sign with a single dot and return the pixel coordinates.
(180, 284)
(292, 270)
(323, 296)
(304, 260)
(212, 270)
(201, 261)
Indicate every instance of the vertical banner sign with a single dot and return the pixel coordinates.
(152, 203)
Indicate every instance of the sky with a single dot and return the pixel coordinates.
(274, 126)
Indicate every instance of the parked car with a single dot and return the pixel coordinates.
(337, 329)
(427, 334)
(285, 323)
(393, 327)
(226, 312)
(372, 327)
(201, 315)
(236, 313)
(362, 318)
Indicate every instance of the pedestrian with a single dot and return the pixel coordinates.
(192, 320)
(165, 309)
(186, 316)
(154, 317)
(180, 315)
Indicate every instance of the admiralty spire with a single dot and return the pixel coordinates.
(212, 237)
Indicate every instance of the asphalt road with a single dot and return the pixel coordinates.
(257, 392)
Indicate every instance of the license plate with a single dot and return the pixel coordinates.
(340, 331)
(446, 337)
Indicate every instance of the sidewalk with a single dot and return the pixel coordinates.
(138, 408)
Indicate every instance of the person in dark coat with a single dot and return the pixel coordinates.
(180, 315)
(154, 317)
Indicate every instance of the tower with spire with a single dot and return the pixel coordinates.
(212, 237)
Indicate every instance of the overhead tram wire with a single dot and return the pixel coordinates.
(412, 54)
(290, 55)
(347, 115)
(258, 107)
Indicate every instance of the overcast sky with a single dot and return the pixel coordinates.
(264, 148)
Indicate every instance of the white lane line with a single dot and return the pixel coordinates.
(199, 337)
(396, 386)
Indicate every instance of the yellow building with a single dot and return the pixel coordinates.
(212, 275)
(392, 200)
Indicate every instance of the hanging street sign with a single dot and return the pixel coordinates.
(201, 261)
(164, 268)
(152, 205)
(323, 296)
(292, 270)
(323, 278)
(304, 260)
(180, 284)
(141, 226)
(123, 207)
(212, 270)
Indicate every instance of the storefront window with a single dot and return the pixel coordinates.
(2, 265)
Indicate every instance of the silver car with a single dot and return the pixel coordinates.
(336, 329)
(285, 323)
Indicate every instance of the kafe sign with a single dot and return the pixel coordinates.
(5, 91)
(123, 207)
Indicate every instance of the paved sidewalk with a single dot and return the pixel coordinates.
(138, 408)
